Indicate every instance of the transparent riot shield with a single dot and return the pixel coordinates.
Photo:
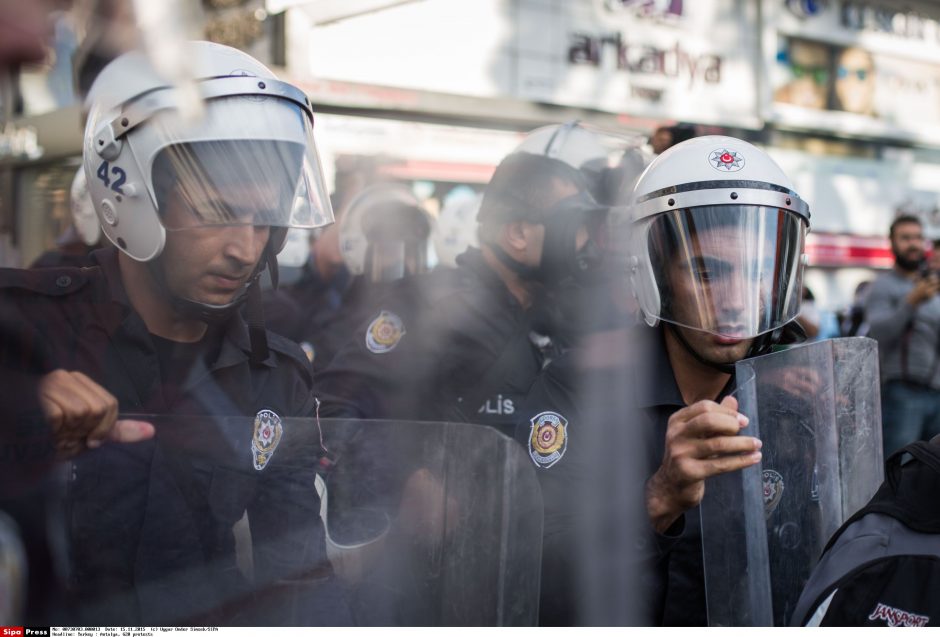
(817, 410)
(289, 521)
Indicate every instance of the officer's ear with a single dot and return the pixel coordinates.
(520, 237)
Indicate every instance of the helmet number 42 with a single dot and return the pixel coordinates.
(117, 172)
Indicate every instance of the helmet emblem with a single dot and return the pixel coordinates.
(726, 159)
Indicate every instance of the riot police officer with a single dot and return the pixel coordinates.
(457, 344)
(711, 244)
(196, 209)
(384, 237)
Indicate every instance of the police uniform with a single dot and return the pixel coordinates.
(317, 299)
(449, 345)
(613, 398)
(150, 524)
(361, 302)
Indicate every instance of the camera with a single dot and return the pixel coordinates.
(925, 270)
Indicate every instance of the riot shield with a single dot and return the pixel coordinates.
(817, 410)
(290, 521)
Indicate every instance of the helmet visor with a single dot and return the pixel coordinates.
(733, 271)
(397, 238)
(241, 182)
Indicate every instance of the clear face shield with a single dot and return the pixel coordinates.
(240, 182)
(397, 244)
(732, 271)
(385, 234)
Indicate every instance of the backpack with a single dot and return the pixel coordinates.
(882, 567)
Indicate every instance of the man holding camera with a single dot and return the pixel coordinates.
(903, 310)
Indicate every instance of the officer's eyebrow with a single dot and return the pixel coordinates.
(221, 211)
(700, 261)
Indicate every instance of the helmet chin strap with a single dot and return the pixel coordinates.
(212, 314)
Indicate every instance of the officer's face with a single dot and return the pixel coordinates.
(694, 282)
(210, 264)
(661, 140)
(535, 232)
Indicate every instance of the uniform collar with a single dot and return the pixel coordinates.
(236, 344)
(107, 260)
(473, 261)
(657, 386)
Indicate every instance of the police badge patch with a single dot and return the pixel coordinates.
(266, 437)
(384, 333)
(773, 490)
(548, 439)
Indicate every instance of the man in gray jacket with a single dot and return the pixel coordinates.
(904, 313)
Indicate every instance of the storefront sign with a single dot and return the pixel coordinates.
(650, 59)
(854, 68)
(841, 251)
(658, 59)
(868, 17)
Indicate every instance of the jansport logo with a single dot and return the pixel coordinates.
(897, 617)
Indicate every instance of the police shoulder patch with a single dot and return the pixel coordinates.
(773, 490)
(384, 333)
(548, 438)
(265, 438)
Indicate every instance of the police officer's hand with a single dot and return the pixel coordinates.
(924, 289)
(701, 441)
(83, 414)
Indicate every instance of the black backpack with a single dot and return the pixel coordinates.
(882, 567)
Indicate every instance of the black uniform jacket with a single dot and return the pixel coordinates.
(451, 345)
(602, 561)
(150, 524)
(361, 303)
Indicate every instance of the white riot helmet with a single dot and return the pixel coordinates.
(384, 234)
(597, 162)
(255, 139)
(455, 228)
(716, 239)
(610, 160)
(249, 160)
(84, 219)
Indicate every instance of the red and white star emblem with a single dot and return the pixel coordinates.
(725, 159)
